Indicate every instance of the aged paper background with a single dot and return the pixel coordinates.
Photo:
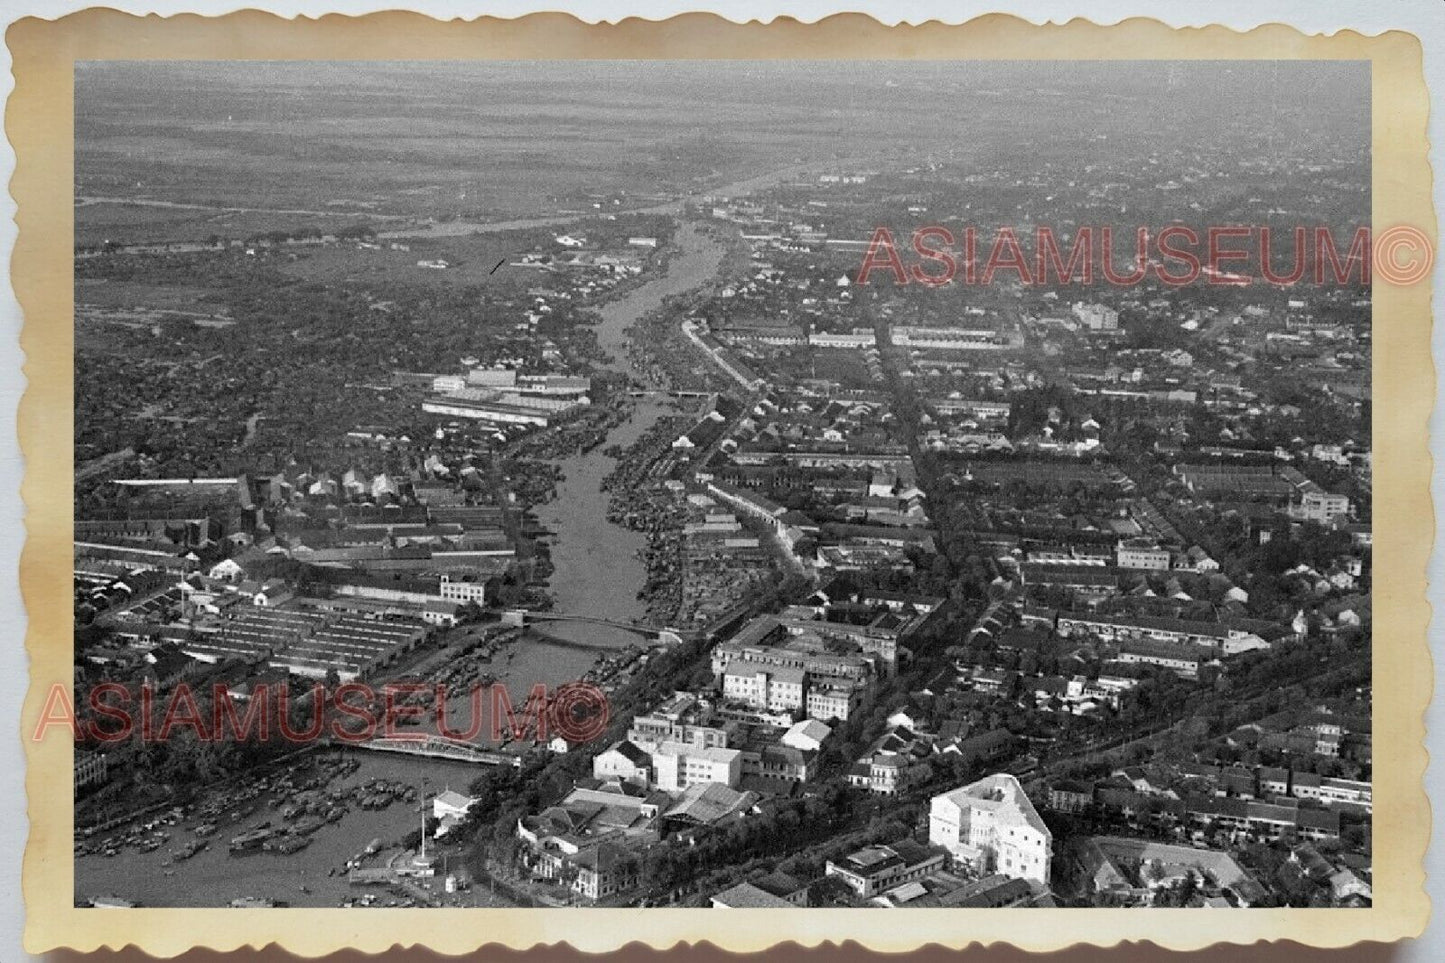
(39, 122)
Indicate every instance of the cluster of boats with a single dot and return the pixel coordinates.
(272, 840)
(144, 837)
(303, 813)
(380, 793)
(613, 671)
(301, 802)
(288, 789)
(236, 804)
(458, 675)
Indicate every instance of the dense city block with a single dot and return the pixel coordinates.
(894, 593)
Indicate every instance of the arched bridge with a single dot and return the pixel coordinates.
(644, 629)
(439, 747)
(631, 625)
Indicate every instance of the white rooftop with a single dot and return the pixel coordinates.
(1001, 794)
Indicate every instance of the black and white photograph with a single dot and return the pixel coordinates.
(723, 484)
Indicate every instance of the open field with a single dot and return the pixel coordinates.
(485, 139)
(113, 293)
(104, 304)
(469, 261)
(497, 140)
(485, 259)
(99, 221)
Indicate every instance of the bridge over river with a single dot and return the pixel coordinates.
(640, 627)
(439, 747)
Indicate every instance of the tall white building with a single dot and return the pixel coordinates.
(1096, 317)
(776, 687)
(1322, 507)
(677, 766)
(1143, 554)
(991, 825)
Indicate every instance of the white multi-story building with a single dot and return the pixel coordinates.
(462, 591)
(446, 384)
(1143, 555)
(991, 825)
(775, 687)
(90, 768)
(836, 701)
(1096, 317)
(677, 766)
(859, 338)
(947, 339)
(1322, 507)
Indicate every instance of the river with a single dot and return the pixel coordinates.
(597, 565)
(597, 572)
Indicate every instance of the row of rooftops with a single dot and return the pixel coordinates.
(1235, 781)
(1189, 628)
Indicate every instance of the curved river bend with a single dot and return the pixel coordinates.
(597, 572)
